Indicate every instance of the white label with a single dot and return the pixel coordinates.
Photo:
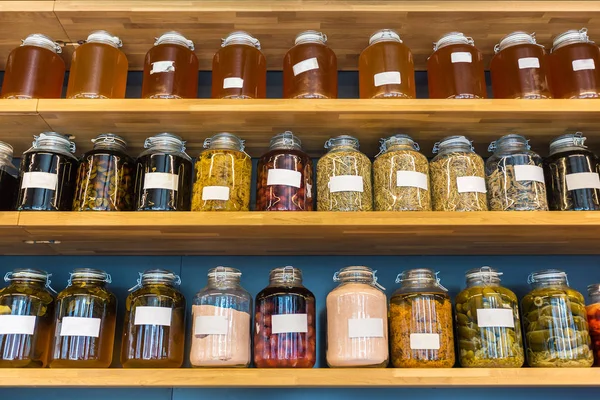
(580, 65)
(583, 180)
(288, 323)
(461, 57)
(215, 193)
(284, 177)
(233, 83)
(424, 341)
(305, 65)
(387, 78)
(529, 173)
(346, 183)
(470, 184)
(529, 62)
(495, 318)
(78, 326)
(162, 66)
(211, 325)
(411, 179)
(161, 180)
(17, 324)
(145, 315)
(365, 327)
(39, 180)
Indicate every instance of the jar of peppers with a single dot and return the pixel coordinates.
(593, 317)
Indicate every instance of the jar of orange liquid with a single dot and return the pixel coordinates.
(99, 69)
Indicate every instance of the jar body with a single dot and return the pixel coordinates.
(593, 317)
(574, 71)
(520, 72)
(310, 72)
(33, 73)
(239, 72)
(170, 72)
(456, 72)
(386, 69)
(98, 71)
(9, 186)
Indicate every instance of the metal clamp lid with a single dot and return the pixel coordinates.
(450, 140)
(30, 274)
(420, 274)
(156, 275)
(452, 38)
(508, 139)
(285, 140)
(167, 139)
(546, 275)
(226, 140)
(485, 273)
(342, 140)
(385, 35)
(240, 36)
(6, 150)
(53, 139)
(357, 270)
(569, 140)
(39, 40)
(397, 140)
(220, 274)
(516, 38)
(174, 37)
(104, 37)
(311, 36)
(570, 37)
(89, 273)
(109, 139)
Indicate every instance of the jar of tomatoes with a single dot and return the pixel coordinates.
(593, 316)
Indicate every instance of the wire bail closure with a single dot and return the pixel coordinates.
(9, 276)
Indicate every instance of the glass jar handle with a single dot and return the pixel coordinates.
(377, 285)
(139, 283)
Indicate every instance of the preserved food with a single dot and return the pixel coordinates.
(26, 316)
(386, 68)
(310, 68)
(593, 316)
(357, 332)
(344, 177)
(572, 175)
(487, 319)
(222, 322)
(515, 177)
(98, 69)
(457, 176)
(154, 326)
(285, 176)
(9, 178)
(555, 323)
(401, 176)
(421, 333)
(105, 177)
(34, 70)
(239, 69)
(223, 175)
(84, 322)
(171, 69)
(48, 174)
(455, 69)
(285, 334)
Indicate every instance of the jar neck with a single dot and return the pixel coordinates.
(224, 141)
(286, 276)
(85, 282)
(109, 142)
(562, 283)
(455, 148)
(568, 143)
(224, 283)
(493, 282)
(165, 142)
(52, 141)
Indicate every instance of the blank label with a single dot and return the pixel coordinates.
(529, 62)
(233, 83)
(495, 318)
(365, 327)
(161, 180)
(461, 57)
(411, 179)
(211, 325)
(470, 184)
(583, 180)
(215, 193)
(153, 316)
(78, 326)
(39, 180)
(285, 177)
(305, 65)
(387, 78)
(424, 341)
(580, 65)
(17, 324)
(289, 323)
(162, 66)
(346, 183)
(529, 173)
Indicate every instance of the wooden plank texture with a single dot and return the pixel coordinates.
(20, 120)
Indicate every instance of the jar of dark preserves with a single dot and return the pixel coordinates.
(9, 178)
(593, 317)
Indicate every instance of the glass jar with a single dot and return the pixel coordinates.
(26, 316)
(310, 68)
(98, 69)
(457, 176)
(285, 176)
(357, 331)
(344, 177)
(573, 66)
(455, 70)
(285, 333)
(519, 69)
(401, 176)
(555, 322)
(84, 322)
(164, 174)
(222, 322)
(488, 325)
(9, 178)
(171, 69)
(593, 317)
(48, 174)
(105, 177)
(421, 322)
(572, 175)
(386, 68)
(239, 69)
(34, 70)
(515, 177)
(154, 325)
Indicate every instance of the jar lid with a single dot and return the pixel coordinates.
(286, 140)
(104, 37)
(486, 274)
(514, 39)
(594, 289)
(509, 140)
(39, 40)
(6, 150)
(570, 140)
(342, 140)
(224, 140)
(222, 273)
(420, 275)
(385, 35)
(546, 275)
(287, 274)
(240, 36)
(167, 140)
(175, 38)
(357, 272)
(89, 274)
(452, 38)
(30, 274)
(156, 276)
(452, 141)
(570, 37)
(311, 37)
(397, 140)
(109, 140)
(52, 141)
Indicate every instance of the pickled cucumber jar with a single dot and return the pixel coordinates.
(9, 178)
(26, 316)
(222, 321)
(487, 319)
(401, 176)
(84, 322)
(154, 327)
(421, 334)
(555, 322)
(223, 175)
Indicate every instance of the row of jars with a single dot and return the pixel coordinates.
(520, 68)
(77, 329)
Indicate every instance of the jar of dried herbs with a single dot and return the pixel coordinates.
(515, 177)
(401, 176)
(457, 176)
(223, 175)
(344, 177)
(105, 178)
